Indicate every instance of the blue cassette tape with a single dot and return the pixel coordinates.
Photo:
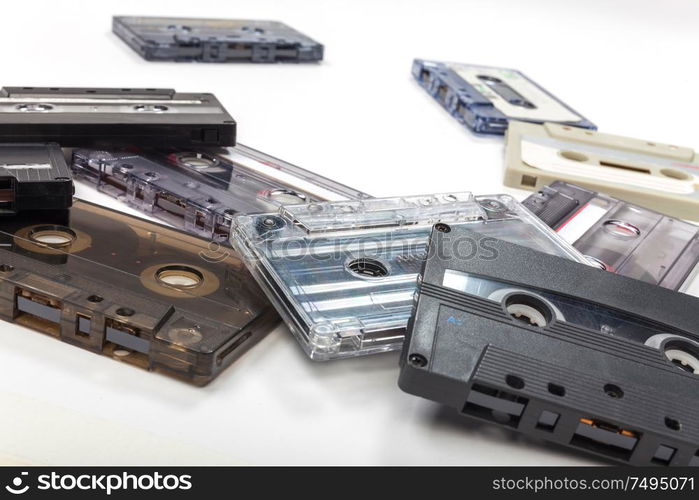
(485, 98)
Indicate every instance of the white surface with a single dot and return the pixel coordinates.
(358, 117)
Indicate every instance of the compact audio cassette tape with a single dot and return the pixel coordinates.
(133, 290)
(343, 275)
(556, 350)
(33, 177)
(485, 99)
(201, 191)
(663, 177)
(84, 117)
(215, 40)
(620, 237)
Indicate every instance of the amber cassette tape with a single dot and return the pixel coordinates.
(662, 177)
(343, 274)
(130, 289)
(201, 191)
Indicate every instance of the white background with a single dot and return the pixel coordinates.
(629, 66)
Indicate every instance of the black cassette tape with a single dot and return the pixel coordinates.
(33, 177)
(130, 289)
(84, 117)
(622, 237)
(556, 350)
(215, 40)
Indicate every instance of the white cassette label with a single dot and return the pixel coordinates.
(546, 108)
(579, 223)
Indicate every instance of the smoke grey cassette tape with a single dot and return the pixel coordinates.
(620, 237)
(201, 191)
(558, 351)
(662, 177)
(117, 117)
(130, 289)
(485, 98)
(215, 40)
(343, 275)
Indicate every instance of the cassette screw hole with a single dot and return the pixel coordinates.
(673, 424)
(514, 381)
(6, 268)
(417, 360)
(442, 228)
(573, 156)
(125, 311)
(368, 268)
(95, 298)
(613, 391)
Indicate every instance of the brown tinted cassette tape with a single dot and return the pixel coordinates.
(133, 290)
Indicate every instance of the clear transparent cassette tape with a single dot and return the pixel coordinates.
(662, 177)
(201, 191)
(343, 275)
(485, 98)
(620, 237)
(215, 40)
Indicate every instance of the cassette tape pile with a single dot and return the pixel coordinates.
(485, 98)
(557, 350)
(131, 289)
(621, 237)
(215, 40)
(201, 191)
(343, 274)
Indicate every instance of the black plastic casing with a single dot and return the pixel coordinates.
(548, 382)
(205, 123)
(34, 177)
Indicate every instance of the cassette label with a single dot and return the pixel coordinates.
(558, 351)
(201, 191)
(620, 237)
(486, 98)
(215, 40)
(33, 177)
(84, 117)
(130, 289)
(343, 274)
(658, 176)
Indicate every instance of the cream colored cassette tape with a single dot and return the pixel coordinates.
(662, 177)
